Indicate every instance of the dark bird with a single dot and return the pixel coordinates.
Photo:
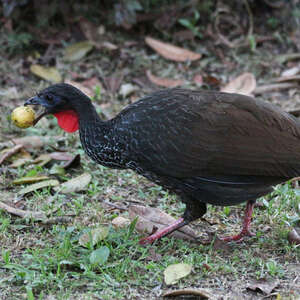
(207, 147)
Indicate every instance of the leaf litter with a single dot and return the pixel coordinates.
(172, 52)
(175, 272)
(150, 219)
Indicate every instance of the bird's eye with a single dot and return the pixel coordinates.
(49, 98)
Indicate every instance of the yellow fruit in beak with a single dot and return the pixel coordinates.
(23, 116)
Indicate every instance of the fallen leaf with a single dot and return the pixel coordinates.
(57, 170)
(30, 179)
(10, 152)
(30, 142)
(94, 236)
(291, 72)
(109, 45)
(274, 87)
(22, 213)
(61, 156)
(120, 222)
(175, 272)
(113, 82)
(73, 163)
(263, 285)
(76, 184)
(23, 157)
(88, 91)
(126, 89)
(47, 73)
(244, 84)
(171, 52)
(92, 82)
(165, 82)
(20, 162)
(199, 293)
(42, 160)
(99, 256)
(150, 218)
(77, 51)
(37, 186)
(294, 236)
(288, 78)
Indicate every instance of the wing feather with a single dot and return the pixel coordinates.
(183, 134)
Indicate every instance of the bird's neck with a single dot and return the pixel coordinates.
(98, 139)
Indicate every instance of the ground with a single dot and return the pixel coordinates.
(45, 260)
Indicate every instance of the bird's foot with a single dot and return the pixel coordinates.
(238, 237)
(165, 231)
(246, 225)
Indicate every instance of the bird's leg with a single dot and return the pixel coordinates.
(165, 231)
(194, 210)
(246, 224)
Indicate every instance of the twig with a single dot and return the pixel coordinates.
(273, 87)
(10, 152)
(22, 213)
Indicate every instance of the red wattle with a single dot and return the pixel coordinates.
(67, 120)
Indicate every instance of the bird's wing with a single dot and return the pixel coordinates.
(182, 134)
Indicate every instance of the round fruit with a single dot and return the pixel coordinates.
(23, 116)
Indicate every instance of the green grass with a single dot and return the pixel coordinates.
(39, 260)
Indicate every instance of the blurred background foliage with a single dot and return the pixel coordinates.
(28, 24)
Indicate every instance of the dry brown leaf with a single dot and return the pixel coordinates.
(288, 78)
(61, 156)
(30, 142)
(274, 87)
(92, 82)
(22, 213)
(263, 285)
(113, 82)
(76, 184)
(244, 84)
(294, 236)
(150, 218)
(10, 152)
(171, 52)
(199, 293)
(165, 82)
(86, 90)
(120, 222)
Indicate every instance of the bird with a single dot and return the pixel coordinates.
(207, 147)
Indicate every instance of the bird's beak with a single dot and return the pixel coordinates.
(38, 101)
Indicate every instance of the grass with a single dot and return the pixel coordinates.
(40, 260)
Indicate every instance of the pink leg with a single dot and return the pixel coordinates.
(246, 225)
(157, 235)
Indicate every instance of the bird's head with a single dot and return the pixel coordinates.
(64, 101)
